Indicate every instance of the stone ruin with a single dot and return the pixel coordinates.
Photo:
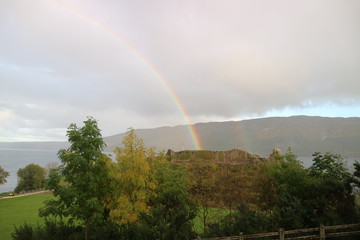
(231, 157)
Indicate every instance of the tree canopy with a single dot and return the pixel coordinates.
(30, 177)
(141, 195)
(83, 168)
(134, 175)
(3, 175)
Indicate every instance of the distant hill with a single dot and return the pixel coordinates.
(34, 145)
(305, 135)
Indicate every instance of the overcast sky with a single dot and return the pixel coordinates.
(131, 63)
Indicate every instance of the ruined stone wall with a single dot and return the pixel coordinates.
(231, 157)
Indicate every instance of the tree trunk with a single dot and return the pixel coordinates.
(86, 232)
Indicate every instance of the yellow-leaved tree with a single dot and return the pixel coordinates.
(134, 178)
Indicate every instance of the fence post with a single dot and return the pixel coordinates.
(241, 237)
(281, 234)
(322, 232)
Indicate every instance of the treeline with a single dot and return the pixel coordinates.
(283, 194)
(141, 195)
(31, 177)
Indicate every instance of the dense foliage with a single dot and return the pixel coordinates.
(3, 175)
(134, 176)
(292, 197)
(30, 177)
(140, 195)
(172, 210)
(83, 197)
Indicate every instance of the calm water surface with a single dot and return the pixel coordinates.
(13, 159)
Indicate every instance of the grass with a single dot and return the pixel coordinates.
(5, 194)
(214, 216)
(17, 211)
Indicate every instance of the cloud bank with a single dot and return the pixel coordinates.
(127, 63)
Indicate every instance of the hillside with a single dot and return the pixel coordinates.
(305, 135)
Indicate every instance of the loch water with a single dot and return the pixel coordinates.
(13, 159)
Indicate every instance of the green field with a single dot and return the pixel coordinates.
(16, 211)
(214, 215)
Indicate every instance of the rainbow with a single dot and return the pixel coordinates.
(169, 90)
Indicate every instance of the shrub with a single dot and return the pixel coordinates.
(52, 230)
(242, 220)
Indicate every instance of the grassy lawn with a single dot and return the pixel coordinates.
(16, 211)
(5, 194)
(214, 216)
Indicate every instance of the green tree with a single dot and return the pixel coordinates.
(30, 177)
(172, 210)
(332, 201)
(298, 197)
(243, 219)
(329, 166)
(282, 185)
(357, 174)
(84, 195)
(3, 175)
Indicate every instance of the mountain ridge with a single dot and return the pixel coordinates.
(304, 134)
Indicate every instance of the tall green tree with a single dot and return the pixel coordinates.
(30, 177)
(84, 169)
(3, 175)
(282, 185)
(332, 201)
(172, 210)
(297, 197)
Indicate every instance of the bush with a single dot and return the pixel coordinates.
(24, 232)
(242, 220)
(52, 230)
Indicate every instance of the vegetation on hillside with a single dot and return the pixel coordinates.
(142, 195)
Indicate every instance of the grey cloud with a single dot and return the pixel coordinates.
(222, 59)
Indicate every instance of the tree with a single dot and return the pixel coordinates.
(31, 177)
(84, 168)
(172, 210)
(298, 197)
(357, 174)
(3, 175)
(204, 190)
(50, 167)
(134, 176)
(328, 166)
(332, 201)
(282, 185)
(243, 219)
